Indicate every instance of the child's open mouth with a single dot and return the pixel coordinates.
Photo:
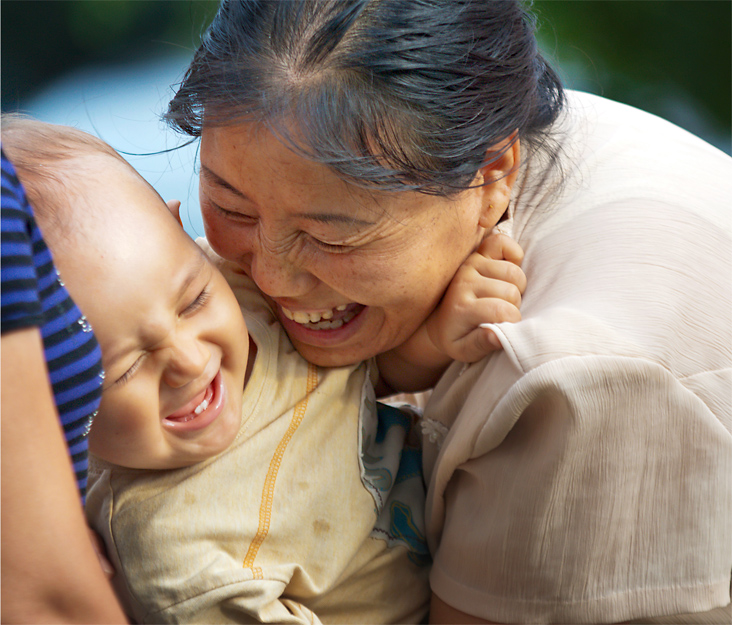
(201, 410)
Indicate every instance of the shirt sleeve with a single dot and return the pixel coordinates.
(21, 306)
(599, 489)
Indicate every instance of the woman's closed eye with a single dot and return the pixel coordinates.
(232, 215)
(332, 248)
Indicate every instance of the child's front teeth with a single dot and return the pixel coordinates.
(201, 407)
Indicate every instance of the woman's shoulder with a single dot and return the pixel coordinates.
(628, 185)
(632, 139)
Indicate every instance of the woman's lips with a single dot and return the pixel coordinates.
(329, 332)
(202, 410)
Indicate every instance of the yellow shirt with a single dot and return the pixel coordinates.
(313, 514)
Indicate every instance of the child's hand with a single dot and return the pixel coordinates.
(101, 552)
(486, 289)
(174, 207)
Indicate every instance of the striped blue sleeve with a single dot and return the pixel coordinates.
(34, 295)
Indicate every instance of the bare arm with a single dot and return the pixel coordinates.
(50, 572)
(441, 612)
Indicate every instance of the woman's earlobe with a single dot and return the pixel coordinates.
(502, 166)
(491, 214)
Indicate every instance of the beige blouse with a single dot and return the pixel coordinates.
(584, 473)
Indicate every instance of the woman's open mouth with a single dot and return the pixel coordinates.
(323, 328)
(326, 320)
(200, 411)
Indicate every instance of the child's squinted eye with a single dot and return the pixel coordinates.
(127, 375)
(199, 302)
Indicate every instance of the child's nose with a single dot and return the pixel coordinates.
(187, 361)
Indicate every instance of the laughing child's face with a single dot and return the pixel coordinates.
(174, 343)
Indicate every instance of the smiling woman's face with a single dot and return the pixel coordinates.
(351, 273)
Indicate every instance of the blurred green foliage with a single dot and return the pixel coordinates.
(671, 57)
(42, 39)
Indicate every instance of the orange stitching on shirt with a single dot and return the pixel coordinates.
(265, 508)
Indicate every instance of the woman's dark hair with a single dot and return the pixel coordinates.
(393, 93)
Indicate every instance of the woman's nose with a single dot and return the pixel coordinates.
(187, 360)
(277, 276)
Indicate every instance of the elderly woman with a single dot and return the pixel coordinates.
(354, 153)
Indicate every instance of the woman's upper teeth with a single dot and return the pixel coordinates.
(301, 316)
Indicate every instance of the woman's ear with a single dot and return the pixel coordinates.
(174, 207)
(502, 165)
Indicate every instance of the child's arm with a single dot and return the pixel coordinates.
(486, 289)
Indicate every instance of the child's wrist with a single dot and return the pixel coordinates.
(422, 350)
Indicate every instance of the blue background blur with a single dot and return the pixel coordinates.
(109, 67)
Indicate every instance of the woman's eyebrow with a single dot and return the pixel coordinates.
(334, 218)
(325, 218)
(218, 180)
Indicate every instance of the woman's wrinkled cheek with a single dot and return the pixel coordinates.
(221, 239)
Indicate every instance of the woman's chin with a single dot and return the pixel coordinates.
(333, 356)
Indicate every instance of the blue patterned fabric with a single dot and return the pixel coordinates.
(34, 295)
(391, 470)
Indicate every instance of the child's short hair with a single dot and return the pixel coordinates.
(41, 153)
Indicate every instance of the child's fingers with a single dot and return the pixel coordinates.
(496, 291)
(480, 340)
(494, 310)
(498, 270)
(174, 207)
(476, 345)
(474, 313)
(498, 246)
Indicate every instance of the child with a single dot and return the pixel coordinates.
(294, 501)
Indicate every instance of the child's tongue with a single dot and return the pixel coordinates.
(188, 411)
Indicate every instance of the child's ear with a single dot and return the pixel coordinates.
(174, 207)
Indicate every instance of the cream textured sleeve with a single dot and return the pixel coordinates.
(598, 489)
